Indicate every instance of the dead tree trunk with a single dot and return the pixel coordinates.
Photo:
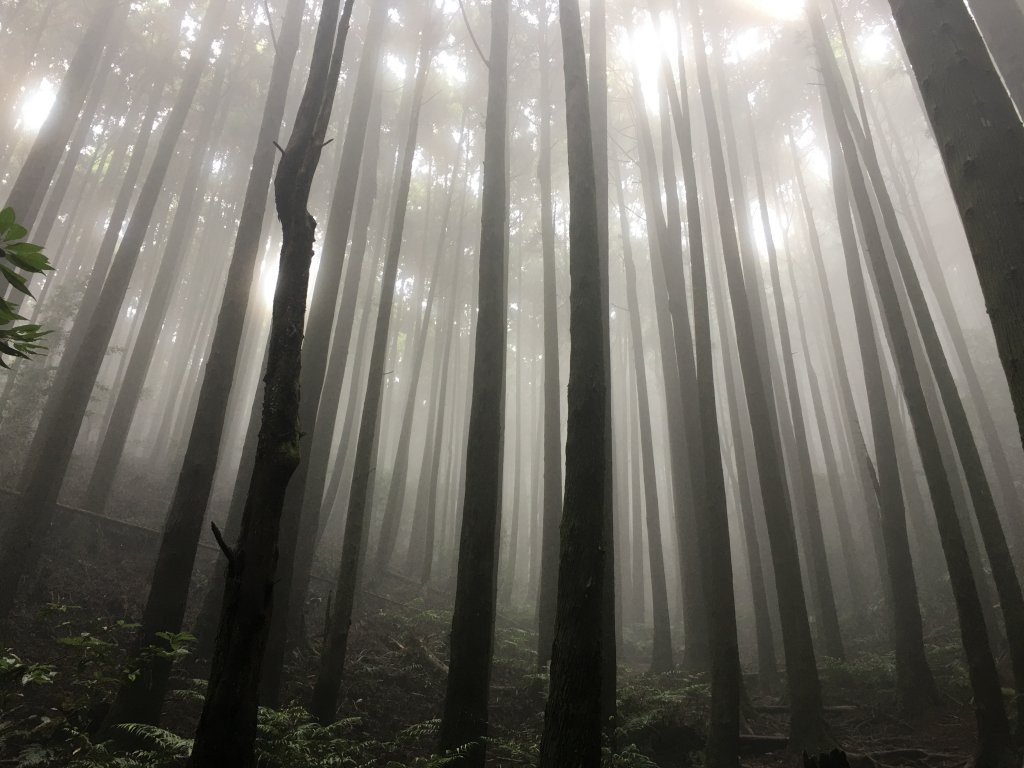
(227, 728)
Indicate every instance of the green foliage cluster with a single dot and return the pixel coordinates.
(17, 338)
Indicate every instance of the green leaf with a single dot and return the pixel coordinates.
(16, 232)
(6, 219)
(30, 262)
(16, 280)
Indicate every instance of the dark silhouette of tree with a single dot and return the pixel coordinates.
(227, 728)
(981, 139)
(552, 439)
(464, 721)
(576, 710)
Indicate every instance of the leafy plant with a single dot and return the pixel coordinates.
(18, 339)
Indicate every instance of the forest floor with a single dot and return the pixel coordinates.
(61, 662)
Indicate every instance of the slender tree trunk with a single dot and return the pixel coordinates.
(400, 465)
(332, 660)
(552, 438)
(994, 743)
(808, 731)
(465, 709)
(1011, 599)
(597, 107)
(316, 350)
(661, 658)
(831, 633)
(185, 217)
(577, 707)
(227, 728)
(767, 663)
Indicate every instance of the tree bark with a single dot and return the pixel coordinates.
(464, 721)
(981, 139)
(577, 708)
(227, 728)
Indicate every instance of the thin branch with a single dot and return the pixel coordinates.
(228, 552)
(472, 36)
(270, 25)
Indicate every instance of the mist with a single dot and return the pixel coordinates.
(467, 382)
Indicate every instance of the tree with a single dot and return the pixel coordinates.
(981, 139)
(808, 731)
(191, 494)
(464, 721)
(994, 742)
(661, 654)
(332, 658)
(304, 496)
(227, 728)
(575, 713)
(552, 439)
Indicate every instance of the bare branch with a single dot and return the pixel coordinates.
(469, 29)
(228, 552)
(270, 25)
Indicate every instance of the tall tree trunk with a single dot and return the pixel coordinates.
(597, 107)
(332, 660)
(1011, 599)
(316, 352)
(552, 438)
(186, 215)
(808, 731)
(400, 465)
(577, 707)
(767, 663)
(981, 139)
(227, 728)
(465, 708)
(661, 657)
(994, 742)
(915, 685)
(825, 597)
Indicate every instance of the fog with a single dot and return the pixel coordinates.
(512, 382)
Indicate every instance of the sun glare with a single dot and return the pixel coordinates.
(782, 10)
(875, 45)
(644, 48)
(36, 106)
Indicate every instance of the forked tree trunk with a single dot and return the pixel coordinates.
(299, 515)
(227, 728)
